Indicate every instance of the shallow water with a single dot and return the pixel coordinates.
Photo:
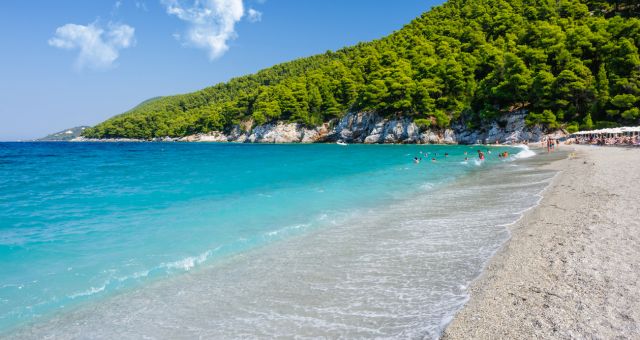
(226, 241)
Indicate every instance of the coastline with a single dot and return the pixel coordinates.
(570, 268)
(365, 128)
(367, 257)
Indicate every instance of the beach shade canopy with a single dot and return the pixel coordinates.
(615, 131)
(630, 129)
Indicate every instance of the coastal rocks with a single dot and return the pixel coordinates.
(355, 127)
(512, 128)
(284, 133)
(371, 128)
(276, 133)
(428, 137)
(237, 134)
(400, 131)
(367, 128)
(205, 137)
(449, 137)
(107, 140)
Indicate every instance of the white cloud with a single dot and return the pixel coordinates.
(98, 48)
(253, 15)
(211, 22)
(141, 5)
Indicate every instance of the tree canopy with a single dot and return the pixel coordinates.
(571, 63)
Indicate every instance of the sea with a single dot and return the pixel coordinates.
(208, 240)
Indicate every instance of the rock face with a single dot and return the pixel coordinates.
(371, 128)
(510, 129)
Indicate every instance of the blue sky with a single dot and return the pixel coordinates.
(71, 62)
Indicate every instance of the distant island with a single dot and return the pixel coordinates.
(462, 69)
(64, 135)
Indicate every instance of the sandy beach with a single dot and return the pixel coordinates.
(572, 266)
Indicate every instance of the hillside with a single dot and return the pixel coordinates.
(569, 63)
(65, 135)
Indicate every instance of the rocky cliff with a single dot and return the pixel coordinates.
(371, 128)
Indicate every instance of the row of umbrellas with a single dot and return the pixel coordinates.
(612, 131)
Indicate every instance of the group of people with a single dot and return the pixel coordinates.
(481, 156)
(602, 140)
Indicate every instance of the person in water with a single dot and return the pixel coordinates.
(433, 159)
(481, 155)
(416, 160)
(446, 154)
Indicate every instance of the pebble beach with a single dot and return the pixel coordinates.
(572, 265)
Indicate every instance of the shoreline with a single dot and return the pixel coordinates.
(365, 264)
(570, 267)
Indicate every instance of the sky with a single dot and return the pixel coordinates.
(67, 63)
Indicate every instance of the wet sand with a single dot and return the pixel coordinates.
(572, 266)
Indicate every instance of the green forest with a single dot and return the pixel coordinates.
(571, 64)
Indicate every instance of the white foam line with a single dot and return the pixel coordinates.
(90, 291)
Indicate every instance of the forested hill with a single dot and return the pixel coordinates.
(570, 63)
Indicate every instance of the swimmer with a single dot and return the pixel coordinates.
(433, 160)
(446, 154)
(481, 155)
(416, 160)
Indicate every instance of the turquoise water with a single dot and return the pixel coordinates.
(81, 221)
